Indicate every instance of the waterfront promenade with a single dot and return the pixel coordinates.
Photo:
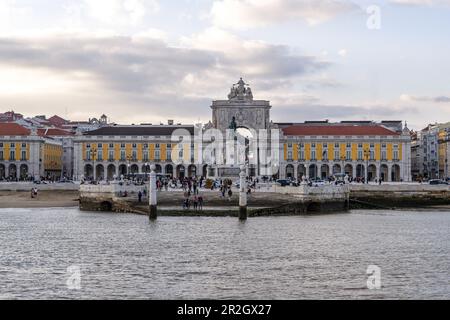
(389, 195)
(270, 199)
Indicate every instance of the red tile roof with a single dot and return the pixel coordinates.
(54, 132)
(338, 130)
(13, 129)
(57, 121)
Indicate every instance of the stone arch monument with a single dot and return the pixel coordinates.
(241, 110)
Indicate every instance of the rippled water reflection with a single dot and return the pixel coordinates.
(126, 256)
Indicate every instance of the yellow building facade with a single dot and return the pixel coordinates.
(362, 152)
(112, 152)
(24, 155)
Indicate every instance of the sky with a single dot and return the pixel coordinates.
(147, 61)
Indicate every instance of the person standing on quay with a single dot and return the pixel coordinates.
(195, 203)
(230, 194)
(200, 203)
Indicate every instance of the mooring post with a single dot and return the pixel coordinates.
(153, 194)
(243, 194)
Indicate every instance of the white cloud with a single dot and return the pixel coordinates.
(253, 58)
(142, 73)
(342, 52)
(245, 14)
(13, 14)
(152, 33)
(120, 12)
(427, 99)
(422, 2)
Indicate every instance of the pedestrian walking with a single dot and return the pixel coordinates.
(195, 203)
(200, 203)
(230, 194)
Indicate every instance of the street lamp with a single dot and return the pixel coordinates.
(343, 158)
(129, 158)
(366, 157)
(94, 155)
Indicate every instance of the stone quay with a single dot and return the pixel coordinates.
(268, 200)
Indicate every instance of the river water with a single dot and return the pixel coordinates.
(307, 257)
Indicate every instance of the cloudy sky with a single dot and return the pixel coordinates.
(152, 60)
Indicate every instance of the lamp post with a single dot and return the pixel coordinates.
(366, 157)
(129, 158)
(94, 155)
(343, 163)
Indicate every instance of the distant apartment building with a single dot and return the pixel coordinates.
(430, 152)
(444, 152)
(10, 116)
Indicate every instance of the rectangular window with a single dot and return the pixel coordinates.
(24, 145)
(180, 154)
(134, 145)
(372, 155)
(360, 145)
(111, 155)
(384, 155)
(349, 155)
(24, 156)
(100, 146)
(122, 155)
(111, 145)
(157, 146)
(360, 155)
(169, 146)
(325, 155)
(349, 145)
(145, 156)
(337, 155)
(289, 145)
(134, 155)
(336, 145)
(169, 155)
(100, 155)
(88, 155)
(290, 155)
(313, 154)
(122, 145)
(13, 145)
(301, 155)
(396, 157)
(313, 145)
(157, 155)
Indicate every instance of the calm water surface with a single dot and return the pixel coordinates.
(126, 256)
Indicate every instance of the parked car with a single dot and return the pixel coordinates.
(318, 183)
(283, 182)
(437, 182)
